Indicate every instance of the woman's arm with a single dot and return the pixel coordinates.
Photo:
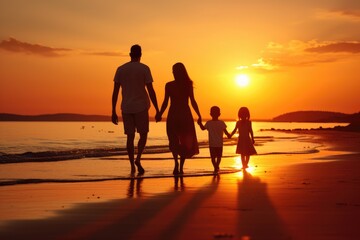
(194, 104)
(201, 125)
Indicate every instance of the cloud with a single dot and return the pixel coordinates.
(13, 45)
(296, 53)
(261, 65)
(352, 15)
(107, 54)
(350, 47)
(16, 46)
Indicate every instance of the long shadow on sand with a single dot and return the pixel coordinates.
(117, 219)
(257, 218)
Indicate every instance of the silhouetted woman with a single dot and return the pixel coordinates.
(180, 126)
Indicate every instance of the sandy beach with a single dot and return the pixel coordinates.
(289, 196)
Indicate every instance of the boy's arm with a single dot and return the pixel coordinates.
(234, 131)
(227, 133)
(200, 124)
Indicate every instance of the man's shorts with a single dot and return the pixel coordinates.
(136, 121)
(216, 152)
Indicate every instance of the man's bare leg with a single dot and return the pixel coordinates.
(141, 147)
(130, 151)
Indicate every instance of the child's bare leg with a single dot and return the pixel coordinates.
(213, 161)
(247, 160)
(213, 158)
(243, 161)
(218, 163)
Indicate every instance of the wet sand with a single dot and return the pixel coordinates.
(294, 196)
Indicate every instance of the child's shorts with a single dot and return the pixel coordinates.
(216, 152)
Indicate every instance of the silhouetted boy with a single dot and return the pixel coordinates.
(216, 128)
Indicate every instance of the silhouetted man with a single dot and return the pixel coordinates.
(134, 78)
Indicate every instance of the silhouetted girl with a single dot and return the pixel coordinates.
(180, 126)
(245, 144)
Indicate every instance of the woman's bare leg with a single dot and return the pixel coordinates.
(176, 167)
(182, 161)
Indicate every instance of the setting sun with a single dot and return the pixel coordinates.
(242, 80)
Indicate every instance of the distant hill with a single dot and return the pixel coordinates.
(317, 116)
(61, 117)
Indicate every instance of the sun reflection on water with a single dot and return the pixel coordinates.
(237, 163)
(238, 166)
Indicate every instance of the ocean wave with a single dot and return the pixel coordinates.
(10, 182)
(52, 156)
(121, 153)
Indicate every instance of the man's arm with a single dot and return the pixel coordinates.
(152, 96)
(114, 117)
(164, 104)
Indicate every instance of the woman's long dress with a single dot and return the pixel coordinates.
(180, 123)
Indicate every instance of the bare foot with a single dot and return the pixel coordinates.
(141, 170)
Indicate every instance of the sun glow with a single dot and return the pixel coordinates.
(238, 166)
(242, 80)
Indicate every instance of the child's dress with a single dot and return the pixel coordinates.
(245, 145)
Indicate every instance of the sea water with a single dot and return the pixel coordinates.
(36, 152)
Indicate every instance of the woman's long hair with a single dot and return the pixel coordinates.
(181, 76)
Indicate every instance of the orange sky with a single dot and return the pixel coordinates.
(60, 56)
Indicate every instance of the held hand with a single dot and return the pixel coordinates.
(229, 135)
(158, 117)
(199, 120)
(114, 119)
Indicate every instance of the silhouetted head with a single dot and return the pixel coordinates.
(215, 112)
(181, 75)
(135, 51)
(244, 113)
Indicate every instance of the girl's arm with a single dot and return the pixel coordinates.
(252, 133)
